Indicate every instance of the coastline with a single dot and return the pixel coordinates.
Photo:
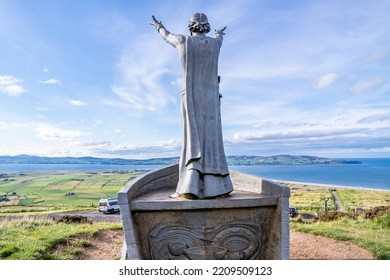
(329, 186)
(144, 168)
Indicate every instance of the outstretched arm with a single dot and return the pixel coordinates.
(219, 34)
(172, 39)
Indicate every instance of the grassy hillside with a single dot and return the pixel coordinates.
(23, 194)
(369, 227)
(40, 239)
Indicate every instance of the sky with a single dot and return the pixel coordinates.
(94, 78)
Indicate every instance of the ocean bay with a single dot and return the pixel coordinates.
(371, 173)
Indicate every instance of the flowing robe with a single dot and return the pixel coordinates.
(203, 169)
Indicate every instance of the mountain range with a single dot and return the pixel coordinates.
(232, 160)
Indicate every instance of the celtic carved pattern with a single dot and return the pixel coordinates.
(236, 241)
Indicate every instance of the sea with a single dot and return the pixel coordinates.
(372, 173)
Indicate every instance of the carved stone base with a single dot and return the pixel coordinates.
(230, 242)
(250, 223)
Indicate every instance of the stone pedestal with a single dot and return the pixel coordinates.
(251, 223)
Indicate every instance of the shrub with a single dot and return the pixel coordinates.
(376, 212)
(74, 219)
(383, 221)
(8, 251)
(332, 216)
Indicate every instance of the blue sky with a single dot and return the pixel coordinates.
(93, 78)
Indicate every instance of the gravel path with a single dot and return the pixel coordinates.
(337, 201)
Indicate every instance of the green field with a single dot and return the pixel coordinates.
(365, 199)
(34, 192)
(310, 198)
(31, 238)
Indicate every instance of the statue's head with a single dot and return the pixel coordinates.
(199, 23)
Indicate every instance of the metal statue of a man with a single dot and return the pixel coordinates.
(203, 170)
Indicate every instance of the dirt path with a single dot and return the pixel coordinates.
(304, 246)
(337, 201)
(107, 246)
(92, 215)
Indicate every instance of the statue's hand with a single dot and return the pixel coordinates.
(220, 31)
(156, 23)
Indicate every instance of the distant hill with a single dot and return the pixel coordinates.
(27, 159)
(232, 160)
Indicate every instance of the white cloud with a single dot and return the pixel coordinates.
(97, 123)
(361, 130)
(115, 103)
(325, 81)
(77, 102)
(51, 82)
(298, 133)
(366, 84)
(50, 132)
(15, 125)
(11, 86)
(157, 149)
(143, 68)
(45, 70)
(377, 117)
(306, 141)
(376, 55)
(126, 94)
(41, 108)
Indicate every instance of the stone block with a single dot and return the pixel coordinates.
(251, 223)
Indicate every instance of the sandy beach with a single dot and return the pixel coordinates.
(314, 186)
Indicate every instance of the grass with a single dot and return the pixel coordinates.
(354, 198)
(310, 198)
(20, 210)
(38, 239)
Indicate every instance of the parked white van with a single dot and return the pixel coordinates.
(108, 205)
